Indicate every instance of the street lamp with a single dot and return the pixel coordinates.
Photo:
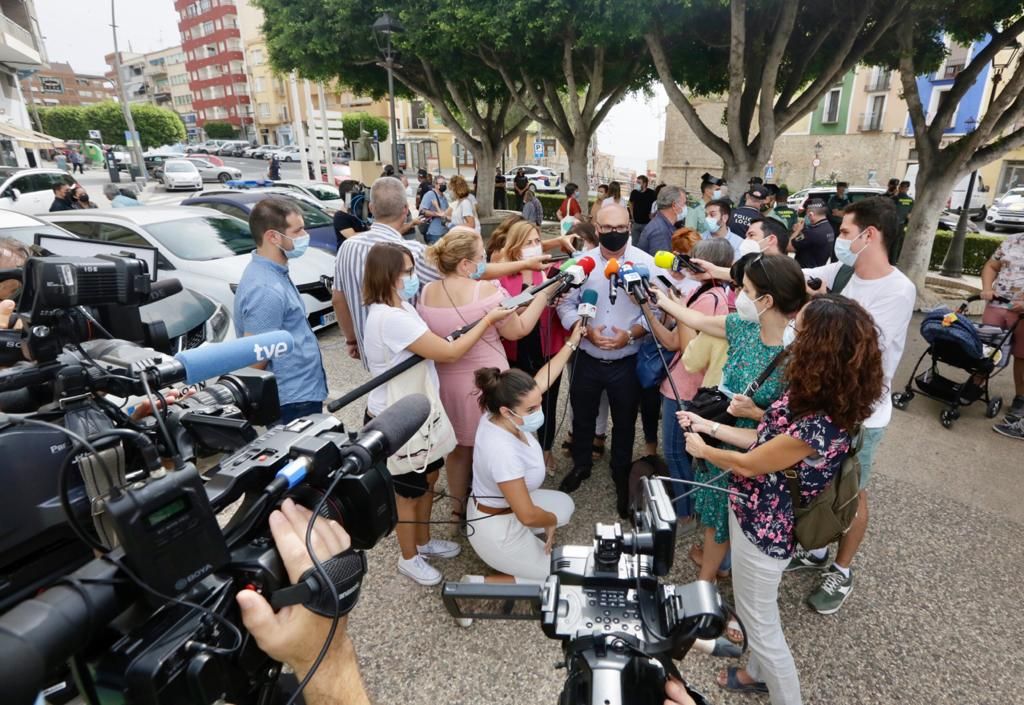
(953, 262)
(815, 163)
(383, 28)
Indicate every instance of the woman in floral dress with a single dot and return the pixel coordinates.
(833, 377)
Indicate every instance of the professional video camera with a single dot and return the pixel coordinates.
(620, 628)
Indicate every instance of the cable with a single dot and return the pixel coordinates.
(172, 447)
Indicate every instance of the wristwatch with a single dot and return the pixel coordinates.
(630, 339)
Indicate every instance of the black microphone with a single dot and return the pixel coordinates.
(160, 290)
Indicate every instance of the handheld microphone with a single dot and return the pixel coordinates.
(201, 364)
(587, 309)
(571, 274)
(676, 262)
(163, 288)
(645, 277)
(633, 283)
(611, 271)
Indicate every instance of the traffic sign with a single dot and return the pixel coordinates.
(95, 135)
(769, 172)
(538, 149)
(816, 162)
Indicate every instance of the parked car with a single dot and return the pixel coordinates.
(948, 221)
(823, 193)
(339, 172)
(213, 173)
(1007, 211)
(260, 151)
(181, 174)
(191, 318)
(325, 194)
(239, 204)
(207, 147)
(288, 153)
(204, 249)
(30, 190)
(955, 199)
(155, 163)
(232, 148)
(542, 179)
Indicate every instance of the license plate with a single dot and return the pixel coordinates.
(328, 318)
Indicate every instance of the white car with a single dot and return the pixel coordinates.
(181, 174)
(325, 195)
(288, 153)
(542, 179)
(213, 173)
(1007, 211)
(205, 250)
(30, 190)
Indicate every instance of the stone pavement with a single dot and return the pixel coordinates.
(933, 618)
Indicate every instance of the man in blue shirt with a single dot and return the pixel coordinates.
(267, 300)
(657, 234)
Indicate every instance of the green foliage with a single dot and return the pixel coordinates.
(351, 123)
(220, 130)
(549, 202)
(156, 126)
(978, 249)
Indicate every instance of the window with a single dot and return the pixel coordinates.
(933, 106)
(227, 209)
(264, 110)
(204, 238)
(830, 111)
(259, 84)
(257, 56)
(207, 28)
(119, 233)
(51, 85)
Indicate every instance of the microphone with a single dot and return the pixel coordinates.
(676, 262)
(587, 309)
(571, 274)
(633, 283)
(645, 277)
(163, 288)
(611, 271)
(201, 364)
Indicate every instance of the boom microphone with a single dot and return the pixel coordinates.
(588, 307)
(611, 271)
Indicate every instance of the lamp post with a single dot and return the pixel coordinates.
(383, 28)
(815, 163)
(953, 262)
(125, 108)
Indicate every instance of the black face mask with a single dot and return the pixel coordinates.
(442, 188)
(679, 224)
(614, 241)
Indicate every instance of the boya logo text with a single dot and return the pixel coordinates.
(266, 352)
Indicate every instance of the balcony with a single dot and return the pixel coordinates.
(951, 71)
(870, 122)
(17, 45)
(878, 83)
(221, 57)
(220, 35)
(224, 79)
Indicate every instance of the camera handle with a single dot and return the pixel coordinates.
(346, 571)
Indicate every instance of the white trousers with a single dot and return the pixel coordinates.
(507, 546)
(755, 581)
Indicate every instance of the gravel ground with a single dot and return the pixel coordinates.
(927, 622)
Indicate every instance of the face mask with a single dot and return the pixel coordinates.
(479, 271)
(531, 422)
(299, 246)
(682, 213)
(528, 252)
(713, 224)
(747, 307)
(614, 241)
(716, 194)
(789, 334)
(442, 188)
(844, 253)
(807, 221)
(750, 247)
(410, 287)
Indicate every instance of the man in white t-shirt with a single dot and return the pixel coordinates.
(867, 230)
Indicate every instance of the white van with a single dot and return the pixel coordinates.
(955, 200)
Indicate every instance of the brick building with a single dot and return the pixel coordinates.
(59, 84)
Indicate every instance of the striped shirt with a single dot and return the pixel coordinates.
(350, 266)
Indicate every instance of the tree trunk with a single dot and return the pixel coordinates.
(487, 158)
(578, 166)
(521, 148)
(932, 189)
(738, 173)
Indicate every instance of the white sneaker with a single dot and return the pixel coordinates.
(439, 548)
(419, 570)
(467, 622)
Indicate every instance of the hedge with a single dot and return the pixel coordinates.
(978, 249)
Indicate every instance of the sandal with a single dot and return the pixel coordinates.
(734, 627)
(733, 683)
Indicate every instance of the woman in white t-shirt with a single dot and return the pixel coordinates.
(615, 196)
(394, 332)
(463, 209)
(508, 508)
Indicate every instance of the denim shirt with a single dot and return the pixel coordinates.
(267, 300)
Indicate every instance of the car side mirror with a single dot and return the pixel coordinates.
(13, 194)
(162, 262)
(985, 189)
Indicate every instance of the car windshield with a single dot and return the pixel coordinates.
(178, 166)
(324, 193)
(1014, 196)
(27, 233)
(311, 215)
(204, 238)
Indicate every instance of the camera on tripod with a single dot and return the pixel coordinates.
(620, 627)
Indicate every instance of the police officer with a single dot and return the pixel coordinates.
(837, 204)
(782, 210)
(904, 204)
(741, 218)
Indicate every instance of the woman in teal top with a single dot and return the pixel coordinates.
(773, 291)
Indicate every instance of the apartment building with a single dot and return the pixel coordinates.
(133, 75)
(57, 83)
(167, 83)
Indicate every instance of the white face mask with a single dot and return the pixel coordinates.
(789, 334)
(746, 307)
(750, 247)
(528, 252)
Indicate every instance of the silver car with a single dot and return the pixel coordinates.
(204, 249)
(210, 172)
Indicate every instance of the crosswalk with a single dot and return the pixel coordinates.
(164, 198)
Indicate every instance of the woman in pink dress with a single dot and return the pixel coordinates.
(459, 299)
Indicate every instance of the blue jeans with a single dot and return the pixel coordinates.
(674, 446)
(290, 412)
(869, 444)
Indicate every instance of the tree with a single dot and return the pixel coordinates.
(66, 121)
(220, 130)
(156, 126)
(995, 26)
(773, 60)
(352, 123)
(334, 40)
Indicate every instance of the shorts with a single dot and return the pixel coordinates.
(411, 485)
(1005, 318)
(868, 445)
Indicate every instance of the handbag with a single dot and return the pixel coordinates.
(650, 368)
(829, 515)
(431, 441)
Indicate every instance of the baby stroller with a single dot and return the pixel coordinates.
(976, 348)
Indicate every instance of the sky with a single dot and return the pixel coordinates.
(82, 36)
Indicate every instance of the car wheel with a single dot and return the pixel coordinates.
(223, 177)
(288, 159)
(992, 228)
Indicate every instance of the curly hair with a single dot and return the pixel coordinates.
(835, 364)
(684, 240)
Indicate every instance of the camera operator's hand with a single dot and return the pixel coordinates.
(295, 635)
(675, 693)
(7, 307)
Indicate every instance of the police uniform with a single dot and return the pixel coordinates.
(741, 218)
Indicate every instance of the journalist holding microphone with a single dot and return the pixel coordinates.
(607, 357)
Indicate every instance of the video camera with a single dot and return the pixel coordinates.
(620, 628)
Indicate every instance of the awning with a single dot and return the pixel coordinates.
(29, 138)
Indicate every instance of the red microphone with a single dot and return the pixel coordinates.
(587, 263)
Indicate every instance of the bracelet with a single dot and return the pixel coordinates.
(714, 428)
(351, 342)
(572, 345)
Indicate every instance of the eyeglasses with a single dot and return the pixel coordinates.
(760, 258)
(608, 230)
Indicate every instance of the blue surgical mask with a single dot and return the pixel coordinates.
(410, 287)
(807, 221)
(844, 251)
(716, 194)
(531, 422)
(481, 266)
(299, 246)
(713, 224)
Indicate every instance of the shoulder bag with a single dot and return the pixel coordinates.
(829, 515)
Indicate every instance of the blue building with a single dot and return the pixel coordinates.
(931, 87)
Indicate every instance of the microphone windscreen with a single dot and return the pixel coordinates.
(612, 267)
(642, 270)
(589, 296)
(220, 358)
(664, 259)
(566, 264)
(400, 421)
(587, 263)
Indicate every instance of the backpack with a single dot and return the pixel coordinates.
(843, 277)
(828, 516)
(359, 208)
(648, 466)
